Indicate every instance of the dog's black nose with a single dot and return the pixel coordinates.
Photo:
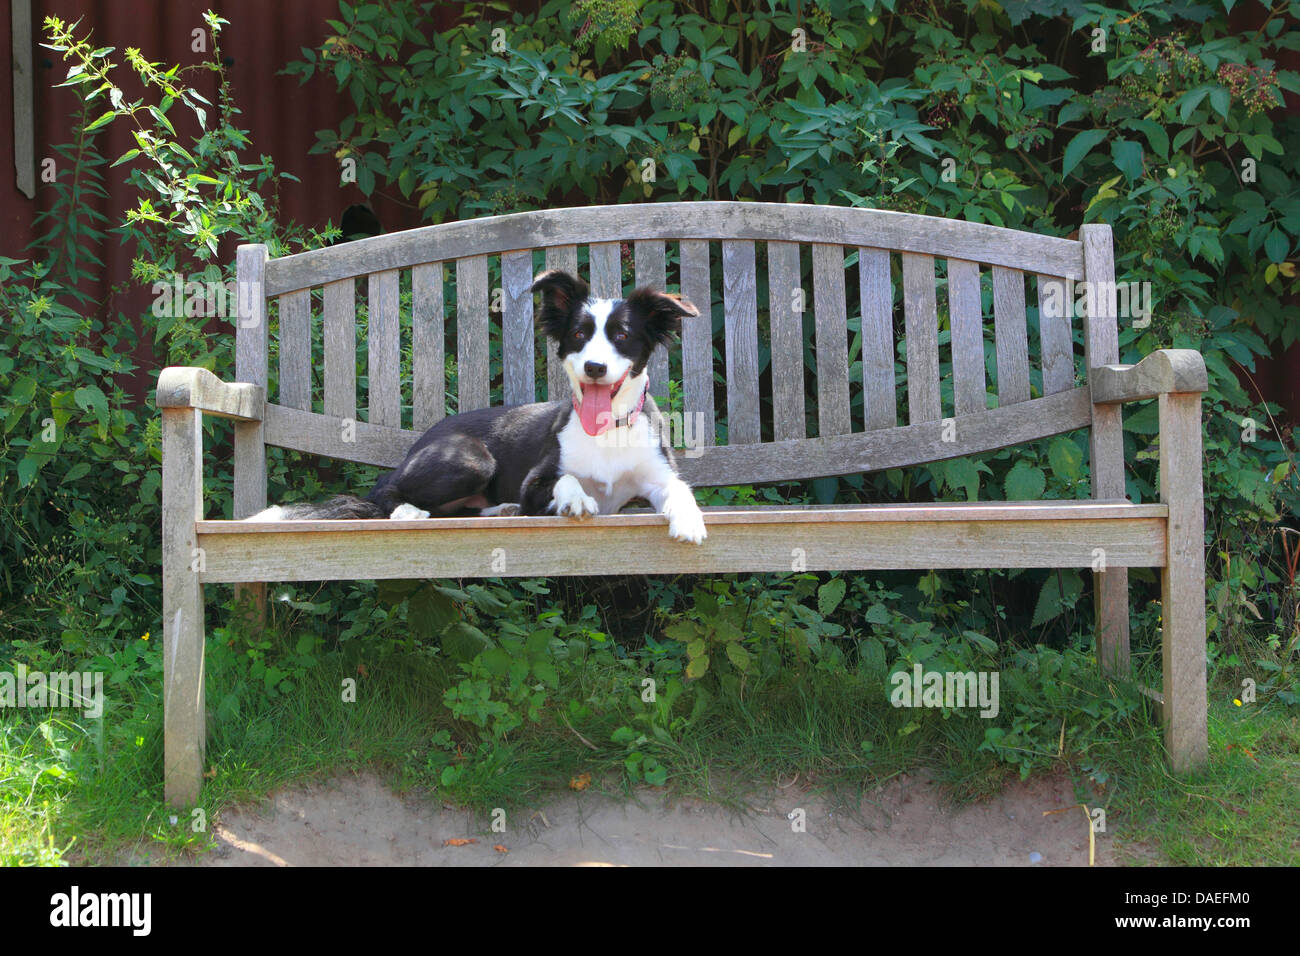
(594, 369)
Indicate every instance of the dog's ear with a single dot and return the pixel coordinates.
(561, 294)
(661, 312)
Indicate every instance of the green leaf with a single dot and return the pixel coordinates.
(464, 642)
(1024, 482)
(829, 596)
(697, 668)
(739, 657)
(1127, 155)
(1080, 147)
(1060, 590)
(1066, 459)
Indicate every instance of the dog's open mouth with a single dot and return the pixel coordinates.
(596, 408)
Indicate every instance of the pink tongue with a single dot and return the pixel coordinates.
(595, 409)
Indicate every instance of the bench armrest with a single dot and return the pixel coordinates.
(1163, 371)
(181, 387)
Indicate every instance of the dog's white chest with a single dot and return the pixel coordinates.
(615, 467)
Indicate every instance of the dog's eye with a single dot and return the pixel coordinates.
(619, 336)
(578, 336)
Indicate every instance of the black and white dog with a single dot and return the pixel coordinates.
(589, 456)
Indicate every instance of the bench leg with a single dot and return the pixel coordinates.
(1111, 588)
(1183, 582)
(183, 691)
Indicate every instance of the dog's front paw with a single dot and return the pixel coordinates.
(508, 510)
(568, 498)
(687, 526)
(408, 512)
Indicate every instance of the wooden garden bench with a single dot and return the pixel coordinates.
(809, 432)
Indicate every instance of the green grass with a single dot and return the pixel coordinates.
(89, 792)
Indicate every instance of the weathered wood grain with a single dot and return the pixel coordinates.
(652, 271)
(1101, 347)
(966, 312)
(183, 631)
(786, 301)
(1056, 343)
(697, 344)
(921, 318)
(606, 270)
(181, 387)
(295, 349)
(740, 303)
(905, 232)
(518, 346)
(1182, 598)
(340, 321)
(831, 313)
(564, 258)
(1011, 335)
(472, 326)
(428, 346)
(877, 300)
(384, 397)
(1162, 371)
(628, 544)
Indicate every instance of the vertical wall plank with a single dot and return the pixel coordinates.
(517, 347)
(295, 349)
(341, 349)
(785, 306)
(698, 415)
(833, 417)
(652, 271)
(384, 398)
(740, 306)
(921, 318)
(877, 299)
(428, 346)
(1011, 335)
(564, 258)
(967, 315)
(1056, 343)
(472, 333)
(606, 270)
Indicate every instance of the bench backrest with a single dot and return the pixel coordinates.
(778, 336)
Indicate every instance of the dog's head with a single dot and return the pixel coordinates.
(605, 344)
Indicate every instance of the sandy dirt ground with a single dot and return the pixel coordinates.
(358, 821)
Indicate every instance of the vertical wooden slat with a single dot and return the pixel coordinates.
(517, 348)
(428, 347)
(1055, 340)
(697, 346)
(341, 349)
(564, 258)
(833, 417)
(967, 316)
(652, 271)
(184, 712)
(877, 300)
(251, 365)
(384, 396)
(1182, 603)
(921, 319)
(606, 271)
(740, 306)
(472, 333)
(785, 306)
(1101, 342)
(295, 350)
(1011, 335)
